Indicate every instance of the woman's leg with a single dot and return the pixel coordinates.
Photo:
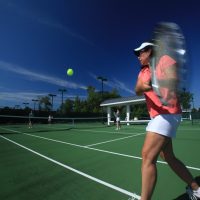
(152, 146)
(177, 166)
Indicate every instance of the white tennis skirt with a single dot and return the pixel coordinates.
(165, 124)
(117, 119)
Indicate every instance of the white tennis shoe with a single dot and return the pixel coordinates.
(193, 194)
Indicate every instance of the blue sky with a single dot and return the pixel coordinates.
(39, 40)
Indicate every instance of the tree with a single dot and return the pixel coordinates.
(68, 106)
(93, 100)
(84, 106)
(140, 111)
(111, 95)
(185, 99)
(45, 103)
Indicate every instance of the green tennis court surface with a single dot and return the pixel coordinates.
(87, 163)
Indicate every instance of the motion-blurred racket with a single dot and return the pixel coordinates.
(168, 63)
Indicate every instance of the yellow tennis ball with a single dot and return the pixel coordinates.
(70, 72)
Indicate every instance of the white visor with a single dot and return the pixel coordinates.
(143, 45)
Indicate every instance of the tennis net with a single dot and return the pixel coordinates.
(58, 121)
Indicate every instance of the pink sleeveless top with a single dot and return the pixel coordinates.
(154, 105)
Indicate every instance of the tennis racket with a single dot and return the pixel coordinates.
(168, 62)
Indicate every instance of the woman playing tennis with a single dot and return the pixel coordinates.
(165, 120)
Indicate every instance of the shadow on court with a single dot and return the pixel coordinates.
(33, 130)
(8, 133)
(185, 195)
(49, 130)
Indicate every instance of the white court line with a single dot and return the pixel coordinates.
(85, 147)
(114, 140)
(71, 144)
(87, 130)
(77, 171)
(123, 133)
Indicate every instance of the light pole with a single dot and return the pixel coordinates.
(52, 96)
(102, 79)
(192, 102)
(34, 100)
(62, 91)
(25, 104)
